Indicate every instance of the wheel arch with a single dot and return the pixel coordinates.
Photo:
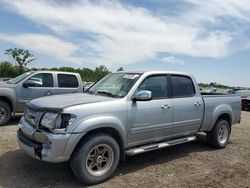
(85, 130)
(8, 101)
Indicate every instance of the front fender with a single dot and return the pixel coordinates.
(218, 111)
(9, 94)
(94, 123)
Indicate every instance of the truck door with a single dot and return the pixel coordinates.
(41, 84)
(151, 120)
(188, 106)
(66, 83)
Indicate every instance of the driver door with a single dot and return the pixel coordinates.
(151, 121)
(43, 86)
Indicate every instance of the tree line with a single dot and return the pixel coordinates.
(22, 58)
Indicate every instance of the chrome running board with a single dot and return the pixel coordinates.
(155, 146)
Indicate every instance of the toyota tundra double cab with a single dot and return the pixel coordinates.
(124, 114)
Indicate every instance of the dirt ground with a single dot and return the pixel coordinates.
(188, 165)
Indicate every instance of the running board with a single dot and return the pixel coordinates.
(150, 147)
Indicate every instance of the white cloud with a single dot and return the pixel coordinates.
(172, 60)
(125, 34)
(44, 44)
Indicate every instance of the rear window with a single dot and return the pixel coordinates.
(67, 80)
(182, 86)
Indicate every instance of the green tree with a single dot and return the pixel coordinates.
(120, 69)
(8, 70)
(21, 56)
(100, 72)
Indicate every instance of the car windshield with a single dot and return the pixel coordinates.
(19, 78)
(115, 85)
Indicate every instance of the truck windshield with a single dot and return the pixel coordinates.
(19, 78)
(115, 85)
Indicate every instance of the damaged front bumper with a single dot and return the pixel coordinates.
(42, 145)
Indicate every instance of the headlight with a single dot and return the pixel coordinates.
(57, 121)
(49, 120)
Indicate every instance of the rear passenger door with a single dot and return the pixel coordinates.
(188, 107)
(66, 83)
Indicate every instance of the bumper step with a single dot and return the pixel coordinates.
(160, 145)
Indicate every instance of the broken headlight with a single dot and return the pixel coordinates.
(57, 121)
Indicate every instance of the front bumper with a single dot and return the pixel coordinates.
(43, 145)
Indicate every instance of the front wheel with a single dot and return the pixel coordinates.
(220, 134)
(95, 159)
(5, 112)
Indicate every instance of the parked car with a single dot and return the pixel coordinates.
(87, 85)
(124, 114)
(245, 99)
(15, 92)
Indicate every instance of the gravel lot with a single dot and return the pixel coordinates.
(188, 165)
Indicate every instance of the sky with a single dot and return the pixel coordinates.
(209, 39)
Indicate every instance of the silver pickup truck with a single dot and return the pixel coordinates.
(125, 113)
(15, 92)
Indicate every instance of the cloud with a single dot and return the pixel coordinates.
(44, 44)
(172, 60)
(117, 33)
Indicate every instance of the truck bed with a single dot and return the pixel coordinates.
(213, 103)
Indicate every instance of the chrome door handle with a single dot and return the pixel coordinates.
(197, 104)
(165, 106)
(49, 92)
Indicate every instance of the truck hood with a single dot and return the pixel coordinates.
(56, 103)
(4, 84)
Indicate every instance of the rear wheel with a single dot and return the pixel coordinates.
(5, 112)
(96, 159)
(220, 134)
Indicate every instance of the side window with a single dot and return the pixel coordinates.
(42, 80)
(67, 80)
(157, 85)
(182, 86)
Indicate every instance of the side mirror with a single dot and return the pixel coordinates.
(29, 83)
(143, 95)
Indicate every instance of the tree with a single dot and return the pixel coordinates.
(21, 56)
(8, 70)
(101, 71)
(120, 69)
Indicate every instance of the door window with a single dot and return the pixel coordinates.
(67, 81)
(157, 85)
(42, 80)
(182, 86)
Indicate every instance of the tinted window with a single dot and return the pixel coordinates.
(67, 80)
(157, 85)
(182, 86)
(42, 80)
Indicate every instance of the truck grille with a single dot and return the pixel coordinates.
(30, 116)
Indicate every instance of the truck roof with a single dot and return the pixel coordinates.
(50, 71)
(156, 72)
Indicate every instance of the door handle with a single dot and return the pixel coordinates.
(197, 104)
(165, 106)
(49, 92)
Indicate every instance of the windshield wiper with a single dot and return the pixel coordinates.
(89, 92)
(107, 94)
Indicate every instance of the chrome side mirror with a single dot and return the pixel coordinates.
(143, 95)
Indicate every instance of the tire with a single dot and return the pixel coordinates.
(244, 105)
(220, 134)
(5, 112)
(90, 163)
